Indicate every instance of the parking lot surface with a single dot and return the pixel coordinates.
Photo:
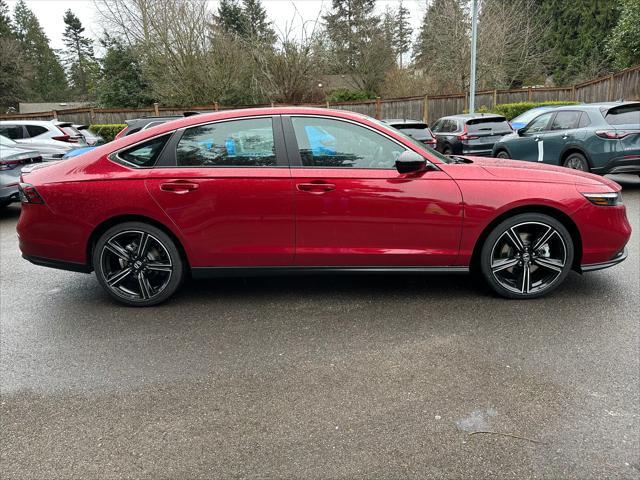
(320, 377)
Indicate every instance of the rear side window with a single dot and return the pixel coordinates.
(13, 132)
(475, 126)
(35, 130)
(145, 154)
(624, 115)
(585, 121)
(565, 120)
(236, 143)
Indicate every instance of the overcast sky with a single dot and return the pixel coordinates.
(281, 12)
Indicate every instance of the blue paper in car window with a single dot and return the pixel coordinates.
(320, 141)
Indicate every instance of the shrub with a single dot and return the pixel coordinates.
(108, 132)
(346, 95)
(512, 110)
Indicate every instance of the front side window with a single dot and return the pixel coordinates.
(236, 143)
(565, 120)
(326, 142)
(146, 154)
(539, 124)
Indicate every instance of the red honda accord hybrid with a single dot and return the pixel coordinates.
(288, 190)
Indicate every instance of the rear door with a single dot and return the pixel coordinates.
(227, 186)
(563, 132)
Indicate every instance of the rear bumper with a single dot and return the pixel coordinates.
(620, 257)
(59, 264)
(9, 194)
(626, 164)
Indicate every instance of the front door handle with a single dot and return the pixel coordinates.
(536, 139)
(178, 186)
(316, 187)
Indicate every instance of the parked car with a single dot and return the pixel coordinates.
(414, 128)
(599, 137)
(525, 117)
(12, 158)
(90, 138)
(469, 134)
(242, 192)
(51, 138)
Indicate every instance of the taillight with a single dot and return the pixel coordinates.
(9, 164)
(29, 194)
(62, 138)
(431, 141)
(465, 135)
(121, 132)
(615, 134)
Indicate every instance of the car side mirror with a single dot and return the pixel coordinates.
(410, 161)
(520, 131)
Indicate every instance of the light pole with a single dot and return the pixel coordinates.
(474, 36)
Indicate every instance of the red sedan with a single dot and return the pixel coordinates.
(288, 190)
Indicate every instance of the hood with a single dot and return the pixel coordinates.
(522, 171)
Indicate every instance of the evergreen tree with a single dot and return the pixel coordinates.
(624, 44)
(6, 28)
(402, 32)
(47, 80)
(258, 26)
(230, 18)
(123, 81)
(578, 33)
(79, 57)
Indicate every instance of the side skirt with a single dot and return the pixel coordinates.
(213, 272)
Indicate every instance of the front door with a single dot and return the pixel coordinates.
(562, 132)
(353, 208)
(530, 143)
(228, 189)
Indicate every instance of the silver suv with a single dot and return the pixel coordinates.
(51, 138)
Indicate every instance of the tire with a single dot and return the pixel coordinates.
(576, 161)
(135, 276)
(515, 263)
(502, 154)
(447, 150)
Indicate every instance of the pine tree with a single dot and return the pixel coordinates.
(123, 81)
(6, 28)
(79, 56)
(258, 26)
(402, 32)
(47, 79)
(231, 19)
(624, 43)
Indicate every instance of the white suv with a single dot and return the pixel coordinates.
(51, 138)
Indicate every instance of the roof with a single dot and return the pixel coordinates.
(405, 121)
(470, 116)
(602, 106)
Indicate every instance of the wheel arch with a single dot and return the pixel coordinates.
(559, 215)
(500, 148)
(575, 149)
(110, 222)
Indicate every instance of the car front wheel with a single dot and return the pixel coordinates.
(502, 154)
(138, 264)
(527, 256)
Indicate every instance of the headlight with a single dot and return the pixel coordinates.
(604, 199)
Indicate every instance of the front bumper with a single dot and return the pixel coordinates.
(618, 258)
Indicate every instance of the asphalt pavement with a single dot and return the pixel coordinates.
(320, 377)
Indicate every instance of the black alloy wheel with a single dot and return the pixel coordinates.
(527, 256)
(138, 264)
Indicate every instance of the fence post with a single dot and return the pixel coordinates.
(156, 109)
(495, 97)
(425, 110)
(529, 94)
(611, 89)
(466, 101)
(55, 114)
(573, 93)
(92, 116)
(378, 108)
(216, 107)
(327, 102)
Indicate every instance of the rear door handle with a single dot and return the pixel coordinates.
(178, 186)
(316, 187)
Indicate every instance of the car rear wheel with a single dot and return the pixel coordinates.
(502, 154)
(138, 264)
(447, 150)
(577, 161)
(527, 256)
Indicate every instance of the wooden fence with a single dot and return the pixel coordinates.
(622, 85)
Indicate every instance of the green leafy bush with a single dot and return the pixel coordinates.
(108, 132)
(346, 95)
(512, 110)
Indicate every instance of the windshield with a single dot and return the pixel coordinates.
(529, 115)
(415, 142)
